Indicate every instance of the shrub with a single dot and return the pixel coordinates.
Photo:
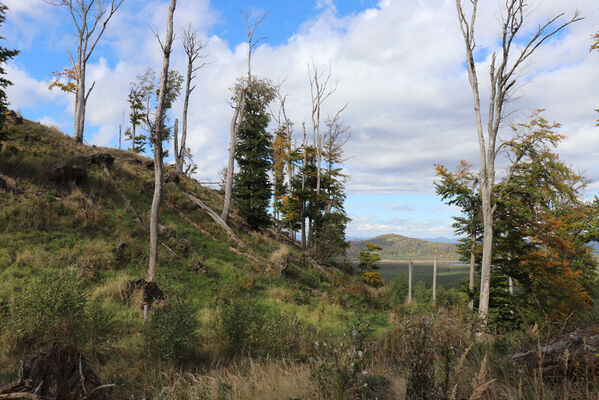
(372, 278)
(246, 327)
(55, 307)
(170, 332)
(339, 369)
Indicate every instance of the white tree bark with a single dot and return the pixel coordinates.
(503, 76)
(91, 18)
(410, 270)
(471, 274)
(192, 47)
(435, 275)
(157, 140)
(239, 111)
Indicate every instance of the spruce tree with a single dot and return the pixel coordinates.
(5, 55)
(252, 188)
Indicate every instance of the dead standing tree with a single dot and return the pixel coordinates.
(91, 18)
(156, 137)
(192, 47)
(503, 74)
(240, 91)
(319, 92)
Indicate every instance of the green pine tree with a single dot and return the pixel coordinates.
(252, 188)
(5, 55)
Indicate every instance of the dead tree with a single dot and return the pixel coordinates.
(193, 46)
(503, 74)
(320, 92)
(239, 108)
(435, 274)
(156, 137)
(410, 271)
(91, 18)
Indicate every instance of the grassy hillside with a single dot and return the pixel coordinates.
(398, 247)
(254, 318)
(52, 225)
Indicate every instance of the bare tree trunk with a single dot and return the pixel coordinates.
(176, 143)
(156, 138)
(120, 135)
(132, 137)
(410, 268)
(79, 119)
(235, 122)
(91, 18)
(239, 111)
(503, 77)
(435, 276)
(471, 275)
(510, 285)
(192, 48)
(303, 216)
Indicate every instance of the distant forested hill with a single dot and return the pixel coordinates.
(396, 247)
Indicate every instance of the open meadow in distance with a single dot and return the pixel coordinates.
(449, 275)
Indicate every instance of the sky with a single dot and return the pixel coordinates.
(397, 64)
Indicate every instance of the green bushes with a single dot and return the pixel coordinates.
(245, 326)
(340, 367)
(170, 333)
(54, 307)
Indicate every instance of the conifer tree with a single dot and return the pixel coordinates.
(5, 55)
(252, 188)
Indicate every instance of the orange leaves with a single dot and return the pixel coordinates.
(595, 45)
(65, 80)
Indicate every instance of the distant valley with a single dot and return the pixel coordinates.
(399, 247)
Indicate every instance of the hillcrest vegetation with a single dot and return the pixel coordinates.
(123, 277)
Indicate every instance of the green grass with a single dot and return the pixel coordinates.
(448, 275)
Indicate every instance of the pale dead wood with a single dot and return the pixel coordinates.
(20, 395)
(101, 387)
(215, 217)
(205, 232)
(240, 109)
(503, 74)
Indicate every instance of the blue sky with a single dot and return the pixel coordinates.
(399, 64)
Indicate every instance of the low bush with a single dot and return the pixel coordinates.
(170, 332)
(244, 326)
(372, 278)
(55, 307)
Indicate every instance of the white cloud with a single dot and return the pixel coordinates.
(399, 66)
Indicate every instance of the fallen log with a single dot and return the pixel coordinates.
(566, 355)
(215, 217)
(205, 232)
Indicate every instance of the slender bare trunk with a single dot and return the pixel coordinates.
(510, 285)
(471, 275)
(180, 152)
(410, 268)
(120, 135)
(235, 123)
(80, 105)
(303, 216)
(435, 276)
(157, 140)
(176, 143)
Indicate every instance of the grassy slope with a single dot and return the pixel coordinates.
(398, 247)
(49, 226)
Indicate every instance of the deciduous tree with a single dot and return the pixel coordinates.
(239, 91)
(504, 69)
(156, 138)
(91, 18)
(193, 46)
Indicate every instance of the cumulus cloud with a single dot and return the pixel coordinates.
(399, 66)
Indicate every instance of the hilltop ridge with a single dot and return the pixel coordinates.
(399, 247)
